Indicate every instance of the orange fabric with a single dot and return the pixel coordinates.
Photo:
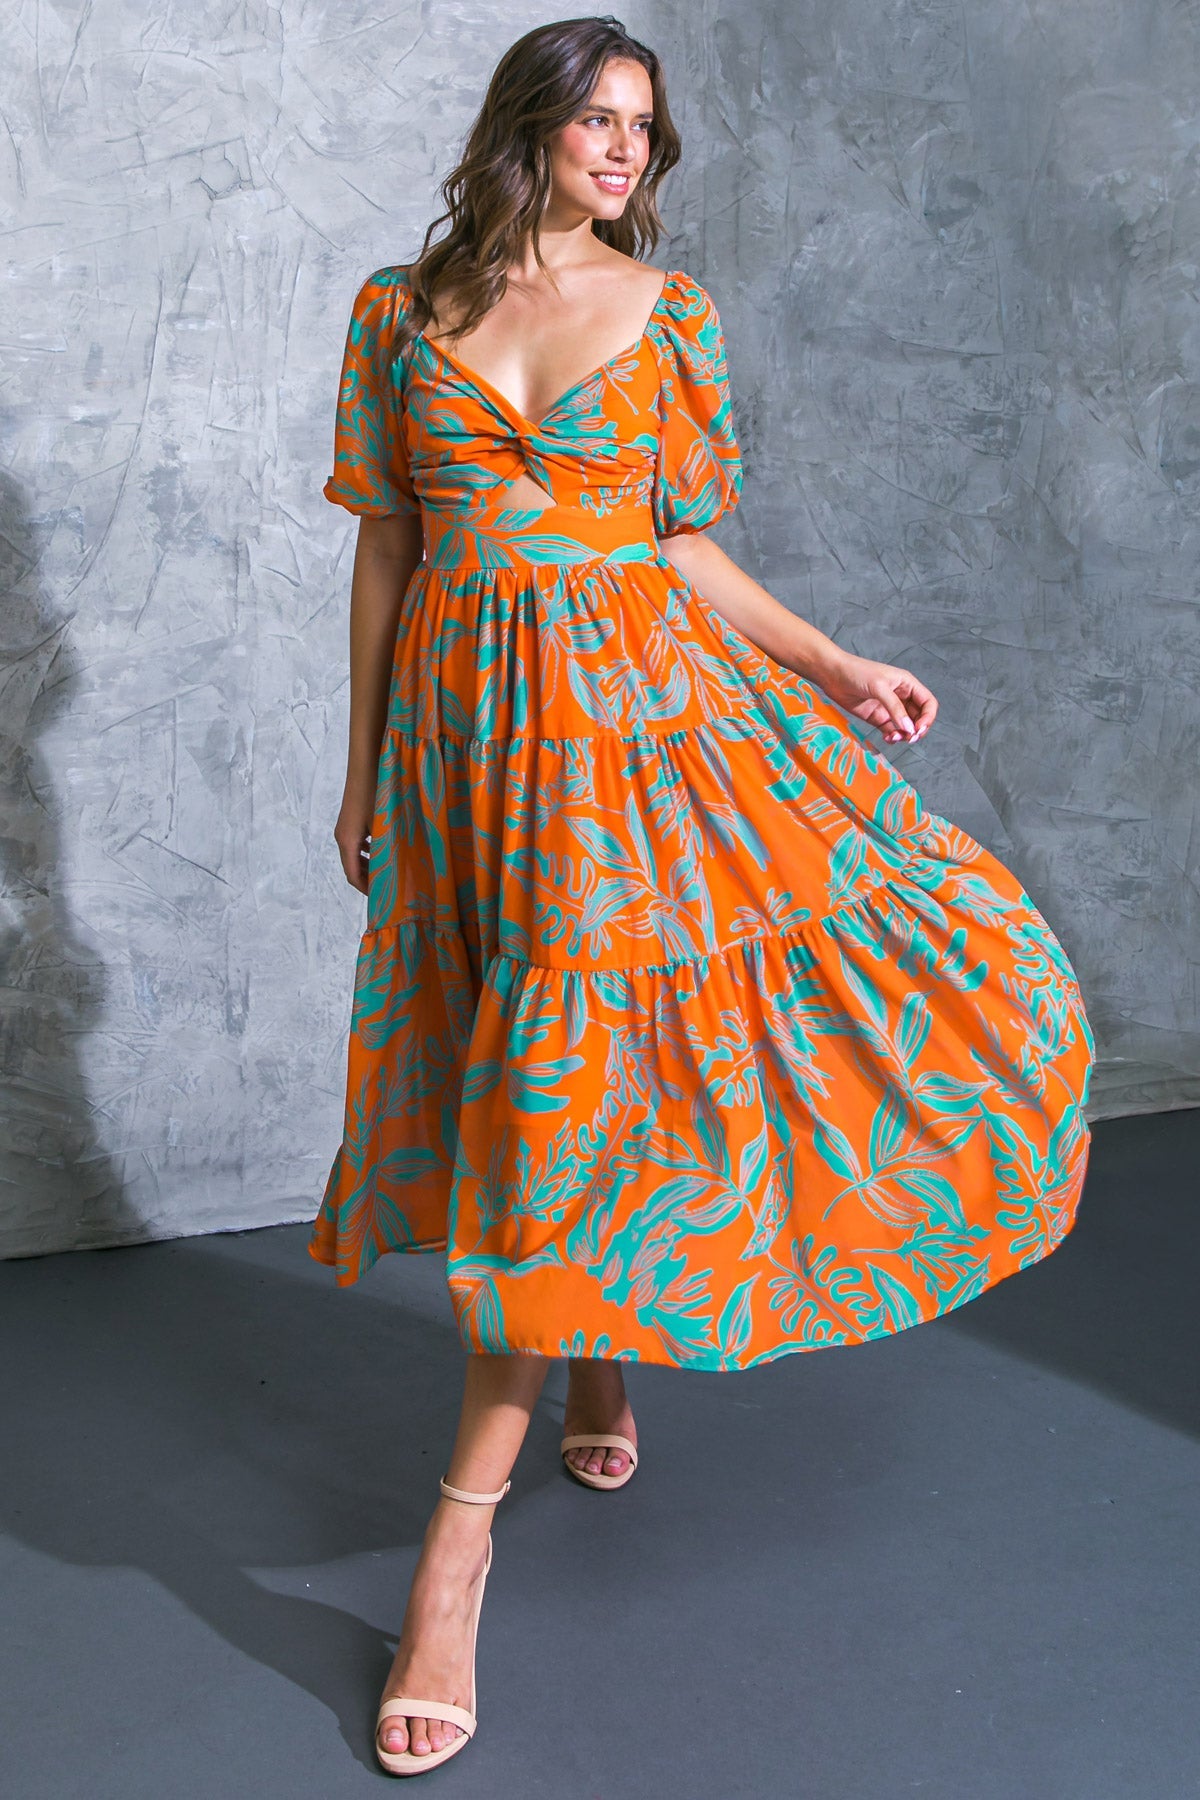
(680, 1024)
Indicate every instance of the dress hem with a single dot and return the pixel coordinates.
(719, 1364)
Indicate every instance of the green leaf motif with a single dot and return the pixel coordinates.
(887, 1127)
(947, 1094)
(480, 1079)
(915, 1021)
(846, 865)
(898, 1303)
(943, 1207)
(529, 1084)
(407, 1165)
(866, 991)
(734, 1324)
(836, 1149)
(753, 1162)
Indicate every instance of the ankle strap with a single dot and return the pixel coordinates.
(453, 1493)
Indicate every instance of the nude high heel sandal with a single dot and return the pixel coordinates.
(610, 1441)
(406, 1762)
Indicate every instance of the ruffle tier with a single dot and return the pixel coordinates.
(680, 1024)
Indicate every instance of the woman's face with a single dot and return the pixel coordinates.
(597, 159)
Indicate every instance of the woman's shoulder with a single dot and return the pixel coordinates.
(671, 295)
(686, 321)
(685, 301)
(394, 275)
(380, 302)
(389, 284)
(382, 297)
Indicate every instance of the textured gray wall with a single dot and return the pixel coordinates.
(955, 250)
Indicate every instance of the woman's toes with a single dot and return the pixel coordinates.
(393, 1736)
(597, 1459)
(422, 1737)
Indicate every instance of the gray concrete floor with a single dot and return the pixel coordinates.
(960, 1563)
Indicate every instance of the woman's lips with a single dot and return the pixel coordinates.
(613, 184)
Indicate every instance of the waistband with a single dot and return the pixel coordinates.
(561, 535)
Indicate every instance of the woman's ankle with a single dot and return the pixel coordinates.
(595, 1369)
(456, 1527)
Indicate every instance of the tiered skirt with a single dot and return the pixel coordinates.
(681, 1026)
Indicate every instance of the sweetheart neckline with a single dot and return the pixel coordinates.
(485, 386)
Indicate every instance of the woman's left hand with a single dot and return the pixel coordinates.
(881, 694)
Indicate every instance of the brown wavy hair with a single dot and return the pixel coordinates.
(497, 194)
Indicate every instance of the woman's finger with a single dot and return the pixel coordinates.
(920, 705)
(893, 706)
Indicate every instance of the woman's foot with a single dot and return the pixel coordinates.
(435, 1653)
(596, 1402)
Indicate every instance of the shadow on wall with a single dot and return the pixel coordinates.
(56, 1181)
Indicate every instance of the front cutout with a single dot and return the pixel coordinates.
(527, 494)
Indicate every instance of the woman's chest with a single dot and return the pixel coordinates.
(464, 438)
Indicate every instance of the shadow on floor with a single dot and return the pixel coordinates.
(1115, 1306)
(192, 1415)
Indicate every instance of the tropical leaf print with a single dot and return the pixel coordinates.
(681, 1027)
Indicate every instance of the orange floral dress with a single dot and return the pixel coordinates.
(681, 1027)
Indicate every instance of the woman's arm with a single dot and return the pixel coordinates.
(879, 693)
(387, 554)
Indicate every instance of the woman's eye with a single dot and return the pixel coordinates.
(602, 119)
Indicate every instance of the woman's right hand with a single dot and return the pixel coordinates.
(352, 834)
(386, 556)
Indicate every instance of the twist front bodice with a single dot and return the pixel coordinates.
(649, 433)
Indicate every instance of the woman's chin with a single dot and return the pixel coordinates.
(606, 203)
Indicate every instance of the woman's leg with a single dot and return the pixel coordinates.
(434, 1654)
(596, 1402)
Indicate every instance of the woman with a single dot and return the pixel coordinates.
(680, 1025)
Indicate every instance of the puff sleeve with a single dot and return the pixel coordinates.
(698, 473)
(370, 462)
